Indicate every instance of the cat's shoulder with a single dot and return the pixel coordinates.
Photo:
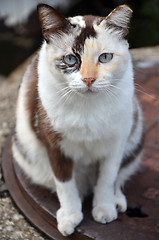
(31, 73)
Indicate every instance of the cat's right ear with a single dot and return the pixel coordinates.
(119, 20)
(51, 21)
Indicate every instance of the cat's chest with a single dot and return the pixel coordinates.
(88, 123)
(86, 151)
(83, 124)
(88, 131)
(92, 142)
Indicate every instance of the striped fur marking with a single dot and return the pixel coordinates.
(39, 121)
(136, 151)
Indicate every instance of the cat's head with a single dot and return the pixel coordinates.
(87, 54)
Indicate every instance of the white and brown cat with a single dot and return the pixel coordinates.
(78, 124)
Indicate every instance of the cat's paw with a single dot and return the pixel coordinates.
(104, 214)
(68, 221)
(121, 203)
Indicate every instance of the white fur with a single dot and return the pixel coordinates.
(95, 127)
(78, 20)
(69, 215)
(35, 150)
(120, 18)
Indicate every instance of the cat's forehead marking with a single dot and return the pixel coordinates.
(89, 67)
(78, 20)
(86, 32)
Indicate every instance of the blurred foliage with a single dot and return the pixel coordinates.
(145, 23)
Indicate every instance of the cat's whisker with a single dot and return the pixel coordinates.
(110, 90)
(62, 96)
(112, 96)
(69, 94)
(62, 90)
(114, 86)
(65, 97)
(109, 96)
(144, 91)
(64, 93)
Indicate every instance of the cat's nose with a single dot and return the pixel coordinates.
(88, 81)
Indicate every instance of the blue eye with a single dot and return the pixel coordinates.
(105, 57)
(71, 60)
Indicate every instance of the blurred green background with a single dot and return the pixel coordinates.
(19, 40)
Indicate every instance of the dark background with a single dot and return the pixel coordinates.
(20, 41)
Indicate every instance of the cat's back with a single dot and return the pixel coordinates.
(30, 78)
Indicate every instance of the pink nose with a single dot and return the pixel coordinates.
(88, 81)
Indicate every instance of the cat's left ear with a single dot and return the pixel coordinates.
(119, 20)
(51, 21)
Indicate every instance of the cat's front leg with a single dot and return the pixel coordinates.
(69, 215)
(104, 202)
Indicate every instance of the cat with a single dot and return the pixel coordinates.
(79, 126)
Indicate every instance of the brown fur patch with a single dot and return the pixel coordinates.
(135, 121)
(129, 159)
(51, 21)
(32, 90)
(86, 32)
(61, 165)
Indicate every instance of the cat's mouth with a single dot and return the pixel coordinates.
(91, 90)
(88, 91)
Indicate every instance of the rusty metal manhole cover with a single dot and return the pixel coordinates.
(140, 222)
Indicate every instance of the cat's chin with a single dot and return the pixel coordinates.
(87, 91)
(90, 91)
